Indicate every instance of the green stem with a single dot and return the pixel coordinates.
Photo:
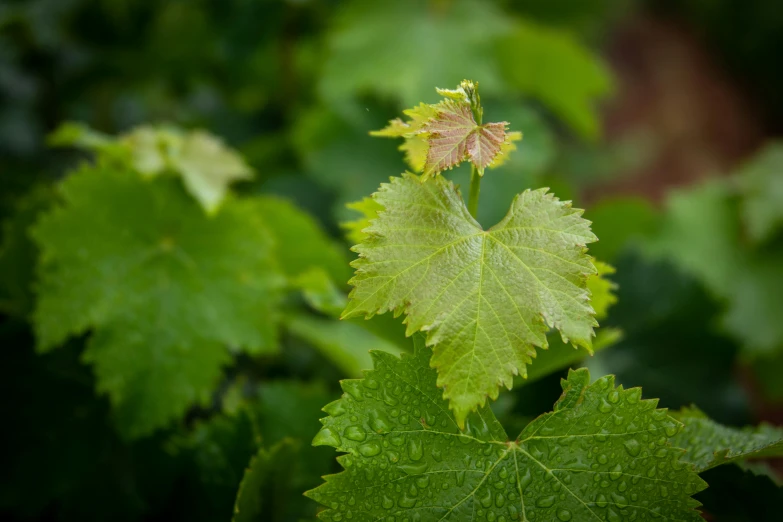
(475, 188)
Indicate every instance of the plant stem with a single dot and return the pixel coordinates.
(475, 188)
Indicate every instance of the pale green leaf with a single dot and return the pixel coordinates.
(346, 344)
(602, 295)
(164, 288)
(761, 182)
(354, 230)
(206, 165)
(548, 64)
(710, 444)
(603, 454)
(486, 298)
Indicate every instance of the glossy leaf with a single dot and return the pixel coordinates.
(602, 454)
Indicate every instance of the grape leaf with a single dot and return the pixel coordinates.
(761, 182)
(486, 298)
(265, 479)
(301, 243)
(164, 288)
(320, 292)
(710, 444)
(550, 65)
(400, 49)
(206, 165)
(354, 229)
(346, 344)
(602, 295)
(443, 135)
(602, 454)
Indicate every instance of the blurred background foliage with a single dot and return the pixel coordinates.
(658, 117)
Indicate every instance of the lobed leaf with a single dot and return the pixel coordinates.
(710, 444)
(164, 288)
(602, 454)
(485, 298)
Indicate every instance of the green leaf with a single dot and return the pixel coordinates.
(550, 65)
(441, 136)
(761, 182)
(301, 243)
(400, 49)
(621, 221)
(18, 253)
(163, 287)
(602, 454)
(602, 295)
(710, 444)
(354, 229)
(486, 298)
(320, 292)
(265, 479)
(346, 344)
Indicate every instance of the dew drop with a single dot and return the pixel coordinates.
(355, 433)
(327, 437)
(564, 515)
(633, 447)
(545, 502)
(352, 388)
(387, 503)
(500, 500)
(415, 449)
(335, 408)
(370, 449)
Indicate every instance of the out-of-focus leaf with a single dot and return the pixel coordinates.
(346, 344)
(300, 242)
(620, 222)
(288, 409)
(698, 231)
(550, 65)
(320, 292)
(401, 49)
(164, 287)
(343, 157)
(761, 183)
(206, 165)
(709, 444)
(672, 349)
(265, 483)
(602, 289)
(18, 253)
(354, 229)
